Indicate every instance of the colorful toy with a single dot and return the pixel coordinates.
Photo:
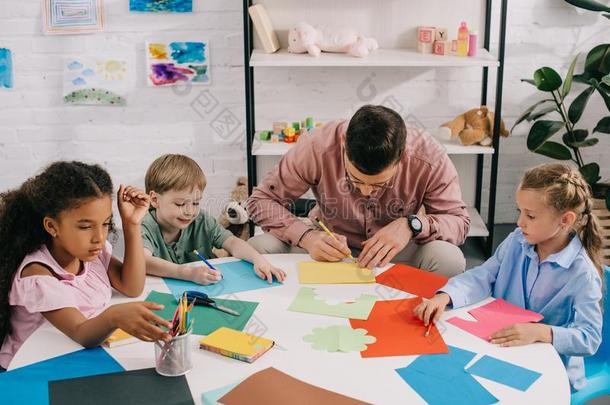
(275, 138)
(425, 39)
(462, 41)
(234, 216)
(279, 126)
(305, 38)
(472, 43)
(472, 127)
(265, 136)
(289, 135)
(441, 47)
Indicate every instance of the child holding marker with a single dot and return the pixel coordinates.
(550, 264)
(177, 232)
(56, 263)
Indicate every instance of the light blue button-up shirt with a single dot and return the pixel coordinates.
(565, 288)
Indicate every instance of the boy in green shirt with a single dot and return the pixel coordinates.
(175, 226)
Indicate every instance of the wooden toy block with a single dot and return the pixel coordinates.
(264, 28)
(441, 34)
(309, 122)
(275, 138)
(290, 131)
(441, 47)
(279, 126)
(425, 39)
(265, 135)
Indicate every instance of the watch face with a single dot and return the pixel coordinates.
(415, 223)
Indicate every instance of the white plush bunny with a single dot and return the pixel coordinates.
(306, 38)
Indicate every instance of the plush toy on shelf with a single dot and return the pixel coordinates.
(472, 127)
(234, 216)
(306, 38)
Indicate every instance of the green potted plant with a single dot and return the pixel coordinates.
(552, 115)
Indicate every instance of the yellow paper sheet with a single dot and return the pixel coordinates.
(334, 273)
(235, 341)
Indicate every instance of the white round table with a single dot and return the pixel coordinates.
(371, 379)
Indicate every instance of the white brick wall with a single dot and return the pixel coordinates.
(35, 128)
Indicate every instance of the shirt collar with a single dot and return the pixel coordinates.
(563, 258)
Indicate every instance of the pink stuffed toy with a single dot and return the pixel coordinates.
(307, 38)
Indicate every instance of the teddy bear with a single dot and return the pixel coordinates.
(234, 216)
(306, 38)
(473, 127)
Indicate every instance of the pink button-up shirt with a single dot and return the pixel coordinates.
(425, 177)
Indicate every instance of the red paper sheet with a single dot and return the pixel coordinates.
(412, 280)
(494, 316)
(398, 331)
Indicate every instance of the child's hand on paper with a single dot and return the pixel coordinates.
(200, 273)
(432, 309)
(521, 334)
(323, 248)
(137, 319)
(266, 271)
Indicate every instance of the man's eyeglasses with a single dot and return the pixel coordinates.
(359, 183)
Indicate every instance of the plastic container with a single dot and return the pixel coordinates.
(472, 43)
(173, 359)
(462, 40)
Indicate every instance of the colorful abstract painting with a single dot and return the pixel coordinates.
(72, 16)
(161, 6)
(6, 69)
(169, 63)
(95, 81)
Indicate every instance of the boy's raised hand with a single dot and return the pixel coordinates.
(432, 309)
(266, 271)
(133, 204)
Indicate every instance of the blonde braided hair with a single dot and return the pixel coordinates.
(565, 189)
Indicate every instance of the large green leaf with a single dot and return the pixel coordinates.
(603, 126)
(597, 63)
(577, 135)
(590, 172)
(542, 112)
(606, 80)
(554, 150)
(528, 111)
(547, 79)
(584, 144)
(530, 81)
(541, 131)
(578, 105)
(590, 5)
(567, 84)
(602, 92)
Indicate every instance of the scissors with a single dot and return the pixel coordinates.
(203, 299)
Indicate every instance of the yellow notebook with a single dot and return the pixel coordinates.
(119, 338)
(235, 344)
(334, 273)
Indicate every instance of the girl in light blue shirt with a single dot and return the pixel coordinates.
(550, 264)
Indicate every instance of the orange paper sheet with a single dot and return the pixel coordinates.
(412, 280)
(398, 331)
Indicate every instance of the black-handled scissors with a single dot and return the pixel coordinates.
(203, 299)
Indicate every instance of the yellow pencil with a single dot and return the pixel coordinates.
(331, 235)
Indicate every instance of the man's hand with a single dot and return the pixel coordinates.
(323, 248)
(385, 244)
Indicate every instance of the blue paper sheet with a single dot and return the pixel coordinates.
(212, 397)
(444, 366)
(237, 276)
(441, 379)
(504, 373)
(29, 384)
(438, 391)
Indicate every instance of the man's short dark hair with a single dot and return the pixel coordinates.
(375, 139)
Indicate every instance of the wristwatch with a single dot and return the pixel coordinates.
(414, 224)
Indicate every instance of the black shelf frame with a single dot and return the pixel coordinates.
(487, 242)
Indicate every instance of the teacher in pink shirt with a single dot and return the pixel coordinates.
(370, 177)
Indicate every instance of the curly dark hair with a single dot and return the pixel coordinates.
(60, 187)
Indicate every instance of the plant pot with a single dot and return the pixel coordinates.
(603, 216)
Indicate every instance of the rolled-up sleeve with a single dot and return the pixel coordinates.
(477, 283)
(446, 215)
(582, 336)
(268, 205)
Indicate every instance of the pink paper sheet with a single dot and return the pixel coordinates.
(494, 316)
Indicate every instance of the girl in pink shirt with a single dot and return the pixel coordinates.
(56, 264)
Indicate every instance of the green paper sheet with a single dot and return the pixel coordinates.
(339, 338)
(206, 319)
(307, 302)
